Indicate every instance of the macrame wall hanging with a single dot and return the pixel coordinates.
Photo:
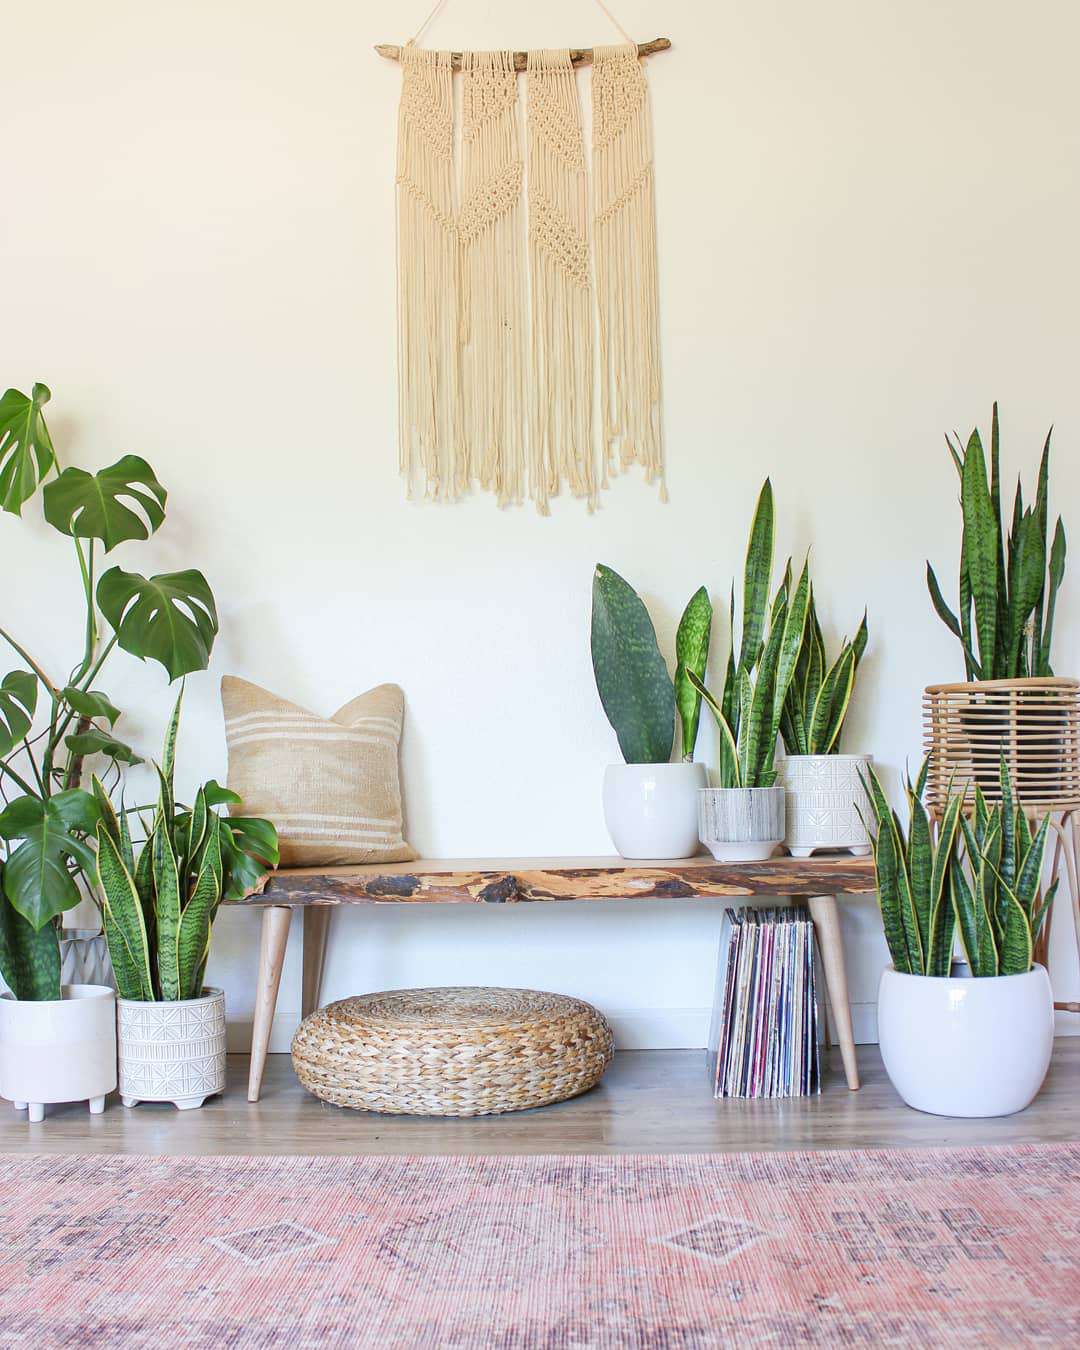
(523, 289)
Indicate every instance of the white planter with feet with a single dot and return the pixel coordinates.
(58, 1050)
(172, 1052)
(824, 798)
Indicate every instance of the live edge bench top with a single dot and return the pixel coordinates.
(503, 881)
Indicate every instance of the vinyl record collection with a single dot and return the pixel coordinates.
(764, 1036)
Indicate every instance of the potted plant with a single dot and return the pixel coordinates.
(158, 906)
(1010, 702)
(742, 820)
(970, 1037)
(57, 1040)
(825, 801)
(650, 804)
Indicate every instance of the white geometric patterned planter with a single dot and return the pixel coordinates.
(172, 1052)
(824, 797)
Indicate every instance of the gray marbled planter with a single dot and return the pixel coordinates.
(741, 824)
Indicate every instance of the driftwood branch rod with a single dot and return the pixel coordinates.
(579, 56)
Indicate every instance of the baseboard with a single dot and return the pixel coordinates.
(635, 1029)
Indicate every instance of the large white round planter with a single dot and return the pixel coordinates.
(58, 1050)
(824, 798)
(741, 824)
(651, 809)
(963, 1046)
(172, 1052)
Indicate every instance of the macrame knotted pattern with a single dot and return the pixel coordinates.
(497, 366)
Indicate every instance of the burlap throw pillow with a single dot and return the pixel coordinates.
(330, 785)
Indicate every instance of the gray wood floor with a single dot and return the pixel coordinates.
(649, 1102)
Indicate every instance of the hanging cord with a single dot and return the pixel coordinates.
(440, 3)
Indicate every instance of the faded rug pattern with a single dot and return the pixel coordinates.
(975, 1247)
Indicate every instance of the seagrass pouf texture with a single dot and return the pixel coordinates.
(452, 1052)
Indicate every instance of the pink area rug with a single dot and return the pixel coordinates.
(971, 1248)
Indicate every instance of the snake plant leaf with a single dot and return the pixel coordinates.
(29, 957)
(691, 654)
(1056, 576)
(995, 504)
(1008, 824)
(37, 878)
(1030, 869)
(144, 885)
(761, 724)
(981, 547)
(831, 703)
(631, 676)
(18, 700)
(944, 613)
(985, 893)
(122, 918)
(123, 501)
(942, 917)
(729, 754)
(729, 699)
(170, 618)
(791, 642)
(96, 742)
(91, 703)
(972, 668)
(193, 940)
(963, 901)
(1016, 944)
(1042, 909)
(862, 636)
(921, 870)
(167, 912)
(756, 577)
(193, 832)
(886, 864)
(26, 449)
(1027, 575)
(908, 916)
(1023, 834)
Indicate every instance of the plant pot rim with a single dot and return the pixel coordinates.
(844, 755)
(965, 980)
(1020, 682)
(210, 992)
(69, 993)
(776, 787)
(658, 764)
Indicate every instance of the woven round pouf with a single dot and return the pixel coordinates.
(452, 1052)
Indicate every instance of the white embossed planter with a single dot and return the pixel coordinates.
(741, 824)
(961, 1046)
(651, 809)
(172, 1052)
(824, 798)
(58, 1050)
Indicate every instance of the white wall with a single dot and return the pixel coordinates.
(868, 216)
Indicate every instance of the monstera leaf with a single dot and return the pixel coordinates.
(26, 450)
(18, 699)
(95, 742)
(101, 505)
(249, 849)
(170, 618)
(37, 879)
(90, 703)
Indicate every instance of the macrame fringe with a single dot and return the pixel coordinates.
(561, 395)
(496, 369)
(491, 227)
(429, 410)
(624, 223)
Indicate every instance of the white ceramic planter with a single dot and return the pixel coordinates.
(824, 797)
(651, 809)
(58, 1050)
(741, 824)
(172, 1052)
(963, 1046)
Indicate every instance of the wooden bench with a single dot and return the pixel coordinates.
(510, 881)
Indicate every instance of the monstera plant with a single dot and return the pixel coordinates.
(50, 724)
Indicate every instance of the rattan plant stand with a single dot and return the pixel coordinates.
(1035, 723)
(452, 1052)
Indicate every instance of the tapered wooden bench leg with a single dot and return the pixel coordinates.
(275, 937)
(316, 924)
(826, 916)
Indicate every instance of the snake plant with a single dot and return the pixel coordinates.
(978, 877)
(1008, 582)
(812, 720)
(761, 668)
(158, 904)
(636, 690)
(48, 724)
